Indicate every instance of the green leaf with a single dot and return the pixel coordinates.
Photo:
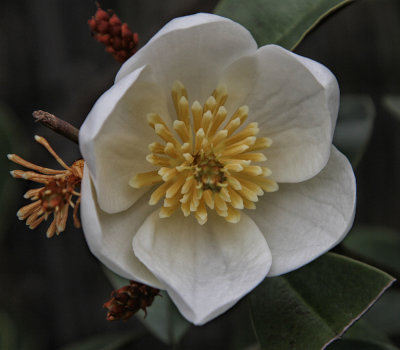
(378, 245)
(363, 336)
(283, 22)
(312, 306)
(355, 344)
(392, 104)
(163, 319)
(364, 331)
(384, 315)
(109, 341)
(354, 126)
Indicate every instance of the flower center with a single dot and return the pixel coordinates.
(208, 172)
(212, 166)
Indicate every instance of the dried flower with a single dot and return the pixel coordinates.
(117, 37)
(55, 197)
(128, 300)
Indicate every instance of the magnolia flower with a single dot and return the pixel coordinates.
(210, 165)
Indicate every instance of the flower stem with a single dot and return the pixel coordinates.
(56, 124)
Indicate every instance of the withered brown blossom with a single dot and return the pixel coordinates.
(128, 300)
(108, 29)
(57, 194)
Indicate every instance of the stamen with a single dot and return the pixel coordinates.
(46, 145)
(211, 166)
(233, 215)
(197, 112)
(18, 160)
(55, 196)
(182, 131)
(254, 157)
(145, 179)
(210, 104)
(236, 199)
(198, 140)
(201, 213)
(156, 147)
(183, 111)
(218, 120)
(232, 126)
(162, 131)
(220, 94)
(171, 151)
(153, 119)
(208, 199)
(159, 193)
(157, 160)
(261, 143)
(167, 174)
(241, 113)
(178, 90)
(206, 121)
(237, 149)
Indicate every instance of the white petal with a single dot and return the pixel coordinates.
(109, 236)
(193, 49)
(303, 221)
(205, 269)
(295, 101)
(115, 135)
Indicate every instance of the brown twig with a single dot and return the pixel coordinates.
(56, 124)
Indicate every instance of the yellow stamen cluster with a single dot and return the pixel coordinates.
(55, 197)
(212, 165)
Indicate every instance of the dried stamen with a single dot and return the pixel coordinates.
(55, 197)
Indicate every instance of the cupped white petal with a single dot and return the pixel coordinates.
(193, 49)
(115, 135)
(295, 101)
(109, 236)
(303, 221)
(205, 269)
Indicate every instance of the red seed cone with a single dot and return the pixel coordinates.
(107, 28)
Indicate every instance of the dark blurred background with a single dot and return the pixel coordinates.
(52, 290)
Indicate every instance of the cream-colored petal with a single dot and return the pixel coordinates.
(205, 268)
(115, 135)
(193, 49)
(303, 221)
(295, 101)
(109, 236)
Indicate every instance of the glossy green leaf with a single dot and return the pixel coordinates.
(354, 126)
(355, 344)
(379, 245)
(392, 104)
(362, 336)
(364, 331)
(163, 319)
(109, 341)
(312, 306)
(283, 22)
(385, 314)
